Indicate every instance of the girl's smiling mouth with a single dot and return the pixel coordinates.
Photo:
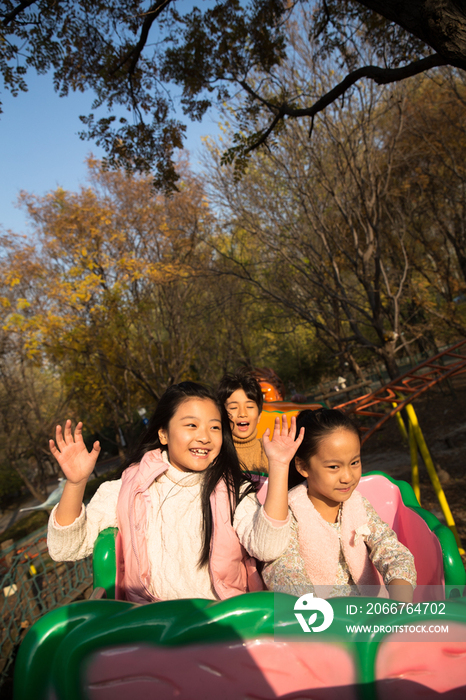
(199, 451)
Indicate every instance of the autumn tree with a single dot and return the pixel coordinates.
(32, 401)
(32, 397)
(431, 181)
(318, 227)
(115, 302)
(121, 298)
(136, 56)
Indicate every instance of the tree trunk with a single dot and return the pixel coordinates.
(121, 448)
(441, 24)
(354, 367)
(388, 355)
(40, 495)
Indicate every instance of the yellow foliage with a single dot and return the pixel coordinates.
(112, 263)
(12, 280)
(22, 304)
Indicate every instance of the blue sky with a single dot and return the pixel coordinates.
(40, 149)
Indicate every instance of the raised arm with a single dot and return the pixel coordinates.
(280, 450)
(77, 465)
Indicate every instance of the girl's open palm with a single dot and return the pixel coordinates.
(72, 455)
(282, 447)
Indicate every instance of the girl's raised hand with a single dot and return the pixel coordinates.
(72, 455)
(281, 449)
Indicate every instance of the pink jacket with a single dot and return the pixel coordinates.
(319, 543)
(232, 570)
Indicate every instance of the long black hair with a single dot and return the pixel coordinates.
(225, 466)
(317, 425)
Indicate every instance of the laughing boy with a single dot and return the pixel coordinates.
(242, 397)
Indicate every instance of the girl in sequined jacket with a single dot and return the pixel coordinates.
(339, 545)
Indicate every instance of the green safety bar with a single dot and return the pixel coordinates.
(104, 561)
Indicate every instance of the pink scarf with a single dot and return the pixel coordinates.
(319, 542)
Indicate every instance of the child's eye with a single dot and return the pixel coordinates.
(333, 466)
(216, 427)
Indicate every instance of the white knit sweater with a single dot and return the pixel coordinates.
(175, 533)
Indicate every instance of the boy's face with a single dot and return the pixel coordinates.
(243, 413)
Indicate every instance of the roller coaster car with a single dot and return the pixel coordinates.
(440, 570)
(250, 646)
(254, 645)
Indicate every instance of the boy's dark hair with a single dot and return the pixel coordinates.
(317, 425)
(241, 379)
(226, 466)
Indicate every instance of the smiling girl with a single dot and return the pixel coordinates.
(339, 545)
(188, 517)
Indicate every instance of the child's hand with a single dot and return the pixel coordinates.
(281, 449)
(72, 455)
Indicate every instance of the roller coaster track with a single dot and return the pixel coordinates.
(405, 389)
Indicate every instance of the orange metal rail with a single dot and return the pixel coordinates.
(408, 387)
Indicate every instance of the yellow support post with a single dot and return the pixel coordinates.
(400, 422)
(424, 450)
(414, 463)
(411, 440)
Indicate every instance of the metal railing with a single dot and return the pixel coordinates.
(31, 584)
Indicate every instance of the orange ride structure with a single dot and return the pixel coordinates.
(272, 386)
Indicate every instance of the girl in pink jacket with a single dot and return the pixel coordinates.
(189, 521)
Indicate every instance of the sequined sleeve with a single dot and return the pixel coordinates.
(391, 558)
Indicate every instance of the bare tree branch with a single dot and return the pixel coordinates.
(381, 76)
(150, 16)
(17, 10)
